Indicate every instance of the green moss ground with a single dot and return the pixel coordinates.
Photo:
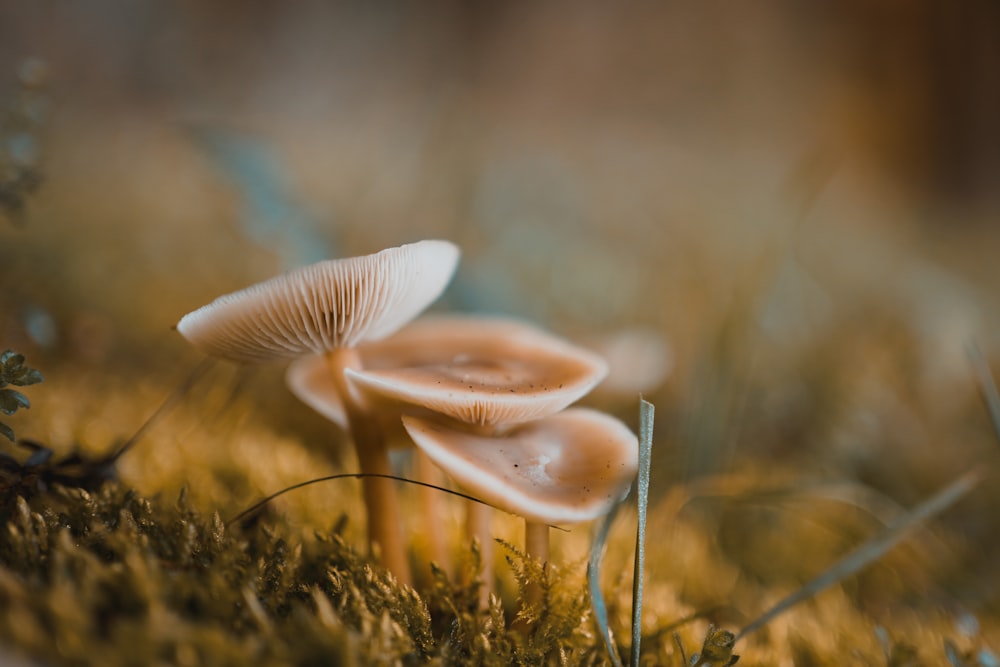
(116, 577)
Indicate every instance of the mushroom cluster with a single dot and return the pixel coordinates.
(484, 399)
(327, 309)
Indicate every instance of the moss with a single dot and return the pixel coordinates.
(115, 577)
(120, 579)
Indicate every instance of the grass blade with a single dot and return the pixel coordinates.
(987, 385)
(594, 583)
(646, 414)
(871, 550)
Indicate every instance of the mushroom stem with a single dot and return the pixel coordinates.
(536, 541)
(431, 508)
(536, 546)
(384, 522)
(479, 526)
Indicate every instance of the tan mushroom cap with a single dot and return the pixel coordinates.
(416, 344)
(309, 378)
(479, 370)
(327, 305)
(570, 467)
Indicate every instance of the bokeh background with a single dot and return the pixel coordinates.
(792, 207)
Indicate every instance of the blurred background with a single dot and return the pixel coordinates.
(790, 211)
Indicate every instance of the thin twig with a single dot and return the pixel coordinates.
(353, 475)
(175, 396)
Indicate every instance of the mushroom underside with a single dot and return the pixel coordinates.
(566, 468)
(331, 304)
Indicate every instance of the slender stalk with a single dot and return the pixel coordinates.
(536, 545)
(479, 526)
(536, 540)
(431, 508)
(385, 533)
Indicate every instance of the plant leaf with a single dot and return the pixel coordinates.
(11, 401)
(39, 457)
(13, 371)
(26, 376)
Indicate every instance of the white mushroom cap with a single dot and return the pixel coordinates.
(570, 467)
(330, 304)
(486, 371)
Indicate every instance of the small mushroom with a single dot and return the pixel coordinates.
(490, 372)
(566, 468)
(639, 361)
(327, 309)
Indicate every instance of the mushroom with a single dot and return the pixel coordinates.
(566, 468)
(639, 360)
(484, 371)
(327, 309)
(489, 372)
